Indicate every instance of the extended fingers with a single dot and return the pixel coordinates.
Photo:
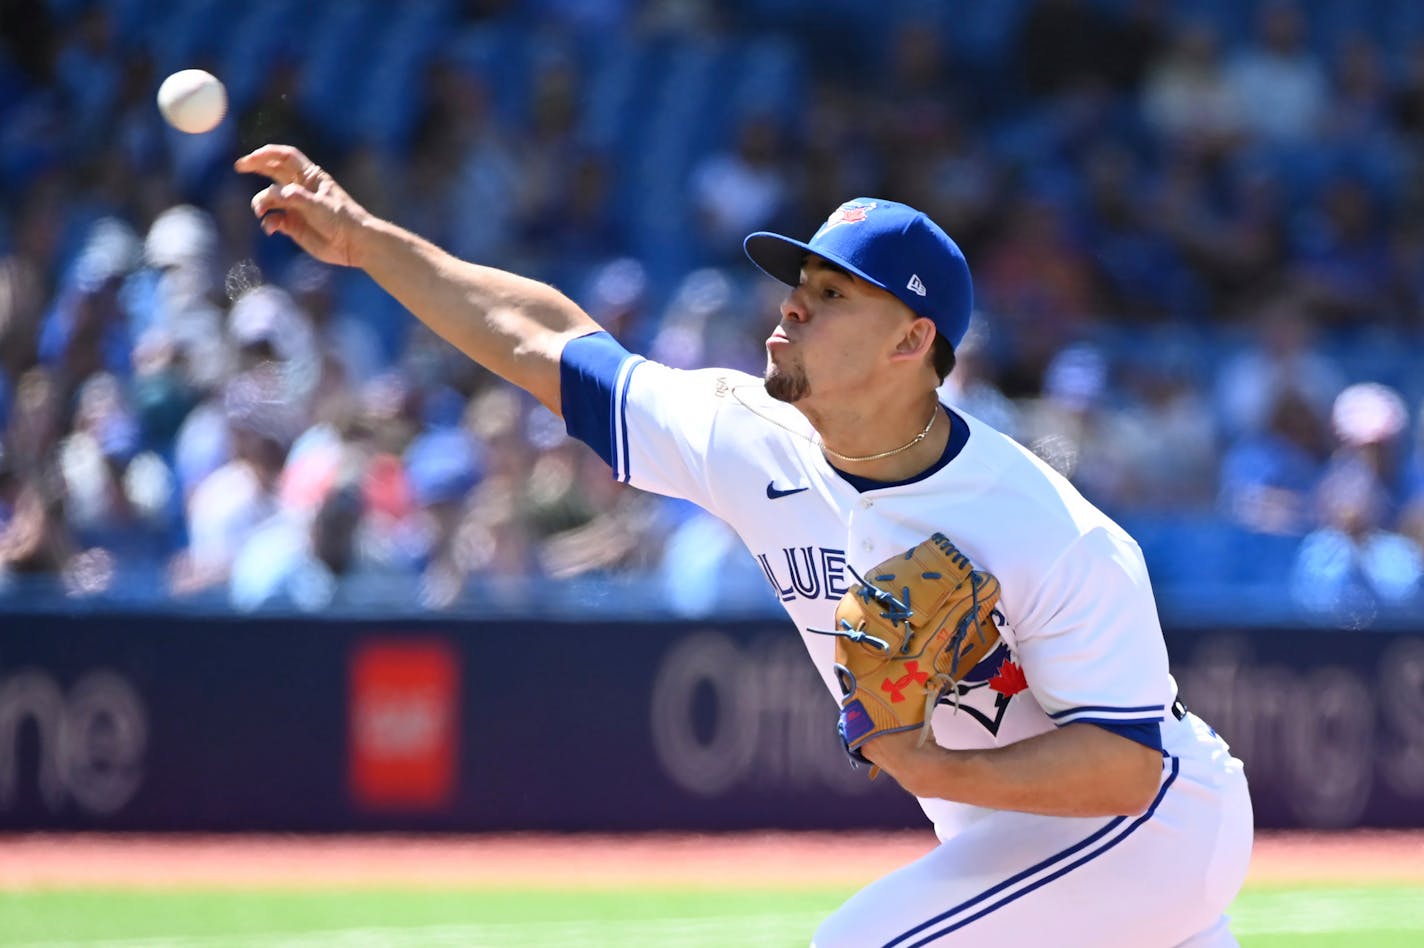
(282, 163)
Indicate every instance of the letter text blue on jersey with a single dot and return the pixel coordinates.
(809, 572)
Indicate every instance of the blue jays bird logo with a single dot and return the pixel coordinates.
(849, 213)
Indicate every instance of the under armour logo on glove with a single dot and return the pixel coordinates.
(897, 687)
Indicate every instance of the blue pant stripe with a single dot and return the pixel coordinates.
(989, 893)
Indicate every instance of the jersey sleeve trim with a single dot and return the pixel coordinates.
(593, 374)
(622, 469)
(1140, 714)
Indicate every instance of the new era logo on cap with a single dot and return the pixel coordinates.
(915, 286)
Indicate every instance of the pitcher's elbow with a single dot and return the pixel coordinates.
(1140, 788)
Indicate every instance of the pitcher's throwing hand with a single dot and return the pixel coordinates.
(305, 203)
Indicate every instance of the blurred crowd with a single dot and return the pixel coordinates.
(1198, 246)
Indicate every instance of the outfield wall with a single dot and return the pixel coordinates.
(123, 722)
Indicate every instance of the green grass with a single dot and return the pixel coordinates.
(1303, 917)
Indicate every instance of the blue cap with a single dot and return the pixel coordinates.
(889, 245)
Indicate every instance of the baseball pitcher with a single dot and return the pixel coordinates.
(991, 637)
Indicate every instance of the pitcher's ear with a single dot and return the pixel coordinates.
(917, 339)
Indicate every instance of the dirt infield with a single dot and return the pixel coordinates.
(587, 861)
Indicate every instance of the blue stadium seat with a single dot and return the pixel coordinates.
(1184, 549)
(616, 71)
(343, 36)
(393, 82)
(1235, 21)
(1400, 24)
(768, 77)
(253, 45)
(499, 56)
(1261, 559)
(659, 166)
(66, 9)
(14, 84)
(984, 32)
(1334, 20)
(768, 13)
(193, 31)
(359, 295)
(133, 20)
(1366, 356)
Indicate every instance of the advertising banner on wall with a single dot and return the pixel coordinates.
(178, 723)
(1329, 723)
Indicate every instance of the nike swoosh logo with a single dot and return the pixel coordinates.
(773, 492)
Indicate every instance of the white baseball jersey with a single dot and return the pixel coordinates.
(1081, 637)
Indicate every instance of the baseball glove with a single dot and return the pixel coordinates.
(906, 634)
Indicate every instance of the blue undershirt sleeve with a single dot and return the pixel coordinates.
(1148, 735)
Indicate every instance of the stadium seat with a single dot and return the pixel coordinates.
(767, 77)
(342, 34)
(389, 105)
(1182, 548)
(498, 55)
(191, 33)
(252, 46)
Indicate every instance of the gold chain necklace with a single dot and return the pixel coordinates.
(832, 451)
(884, 454)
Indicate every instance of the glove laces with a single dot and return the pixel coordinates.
(855, 634)
(896, 611)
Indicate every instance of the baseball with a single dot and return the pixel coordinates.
(192, 101)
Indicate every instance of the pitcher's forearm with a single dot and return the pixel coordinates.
(1076, 770)
(512, 325)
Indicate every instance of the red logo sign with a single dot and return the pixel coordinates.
(402, 717)
(912, 673)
